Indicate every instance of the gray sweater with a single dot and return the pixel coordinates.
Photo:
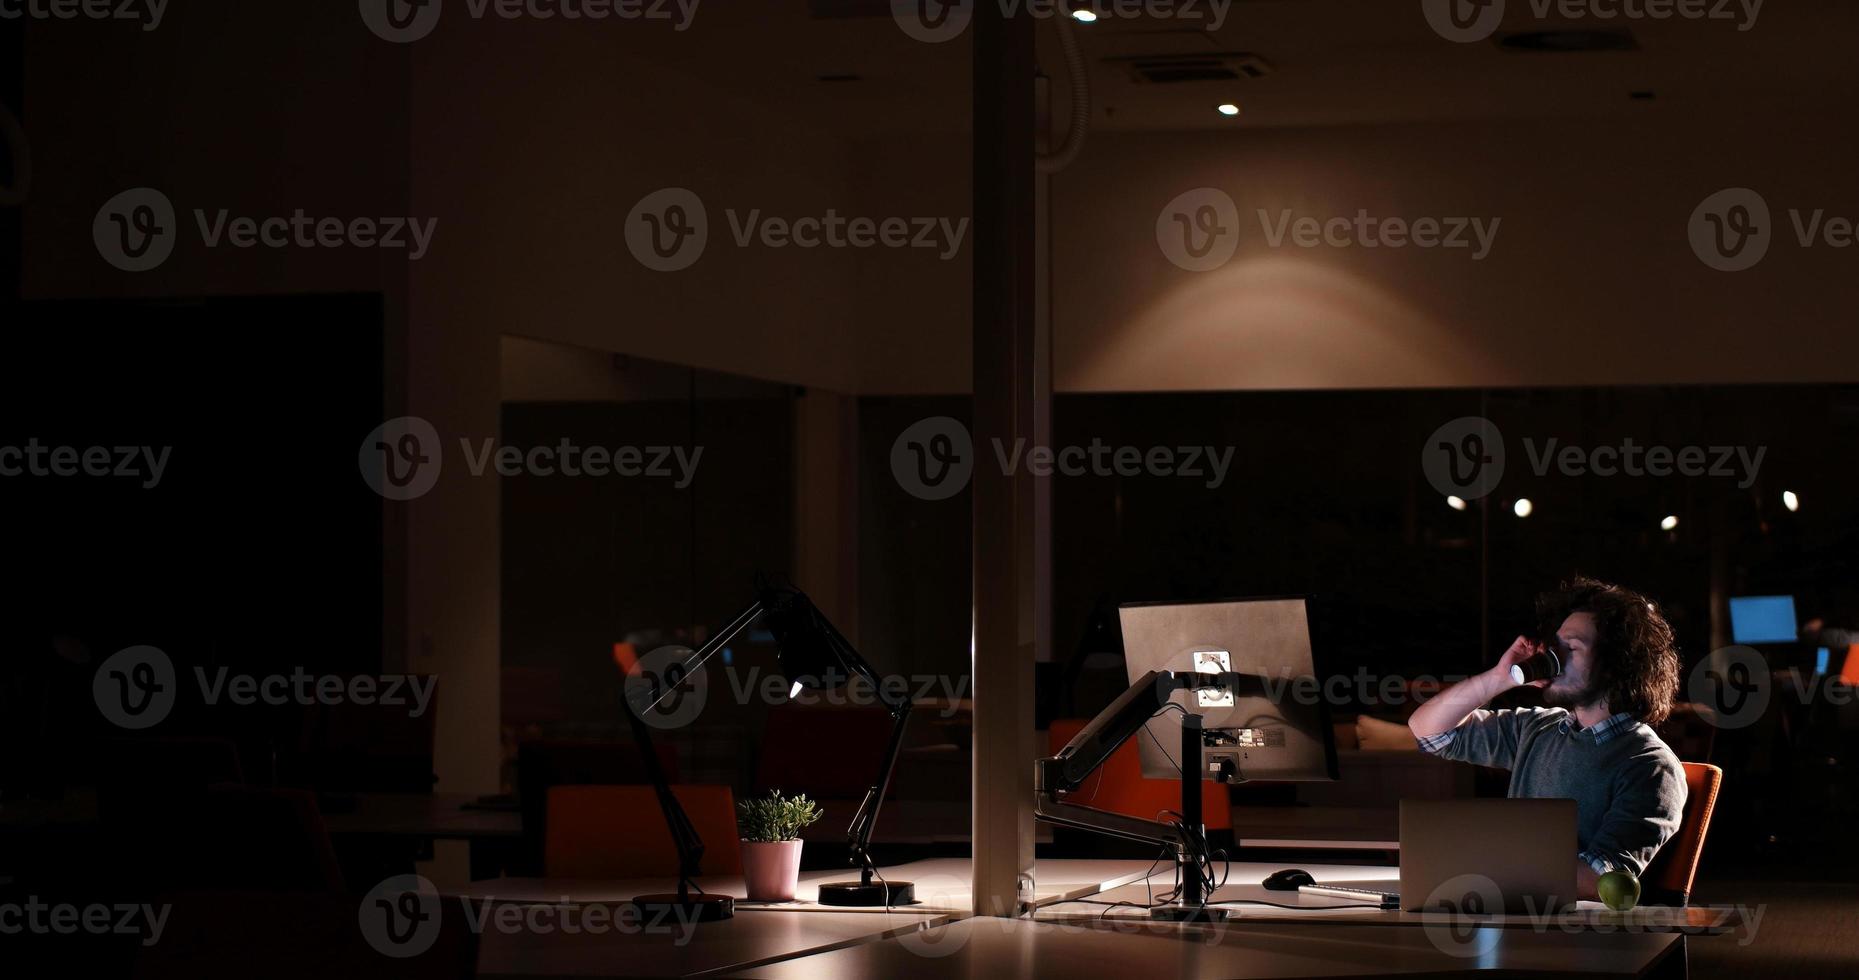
(1628, 787)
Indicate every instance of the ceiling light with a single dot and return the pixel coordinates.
(1456, 503)
(1084, 15)
(1523, 507)
(1228, 109)
(1790, 501)
(1670, 522)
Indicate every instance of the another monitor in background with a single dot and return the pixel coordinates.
(1281, 732)
(1763, 619)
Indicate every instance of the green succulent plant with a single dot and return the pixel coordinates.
(775, 818)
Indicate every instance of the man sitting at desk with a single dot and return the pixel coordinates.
(1594, 743)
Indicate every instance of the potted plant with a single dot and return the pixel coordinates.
(770, 830)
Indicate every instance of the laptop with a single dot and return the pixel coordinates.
(1488, 856)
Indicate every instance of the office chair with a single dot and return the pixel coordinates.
(544, 763)
(1669, 877)
(619, 832)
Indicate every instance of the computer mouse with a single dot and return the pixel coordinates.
(1288, 880)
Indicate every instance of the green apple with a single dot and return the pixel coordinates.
(1619, 890)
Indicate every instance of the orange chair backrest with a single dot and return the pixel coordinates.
(1673, 869)
(1849, 671)
(619, 831)
(1120, 786)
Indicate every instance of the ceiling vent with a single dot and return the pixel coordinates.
(1176, 69)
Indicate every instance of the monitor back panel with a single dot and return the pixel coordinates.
(1487, 856)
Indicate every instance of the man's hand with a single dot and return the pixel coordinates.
(1587, 882)
(1523, 649)
(1448, 709)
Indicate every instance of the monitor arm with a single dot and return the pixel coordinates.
(1115, 725)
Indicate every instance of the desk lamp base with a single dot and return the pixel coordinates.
(681, 909)
(860, 895)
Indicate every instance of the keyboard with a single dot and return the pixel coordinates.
(1387, 900)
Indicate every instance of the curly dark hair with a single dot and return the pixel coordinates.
(1635, 656)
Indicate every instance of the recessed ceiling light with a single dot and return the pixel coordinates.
(1228, 109)
(1523, 507)
(1084, 15)
(1790, 501)
(1669, 523)
(1455, 502)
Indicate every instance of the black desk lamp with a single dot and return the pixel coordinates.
(813, 653)
(1115, 725)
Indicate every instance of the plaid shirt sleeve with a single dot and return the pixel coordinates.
(1486, 738)
(1436, 744)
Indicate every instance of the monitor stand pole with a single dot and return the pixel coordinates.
(1195, 888)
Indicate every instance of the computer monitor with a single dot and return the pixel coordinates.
(1763, 619)
(1280, 733)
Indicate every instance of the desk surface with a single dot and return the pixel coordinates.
(1067, 938)
(1243, 886)
(942, 885)
(984, 947)
(682, 950)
